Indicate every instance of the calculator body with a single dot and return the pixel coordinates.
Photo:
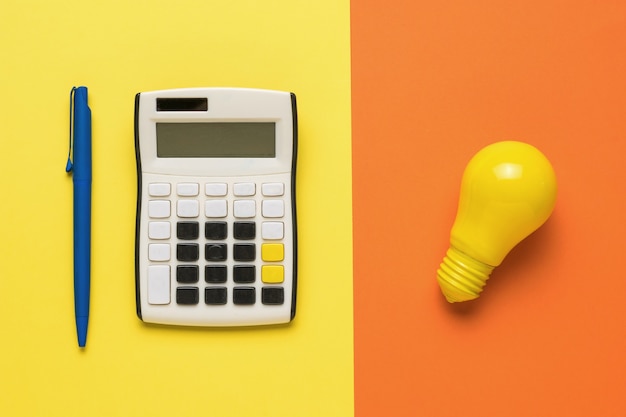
(216, 241)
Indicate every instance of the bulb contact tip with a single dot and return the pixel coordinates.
(462, 277)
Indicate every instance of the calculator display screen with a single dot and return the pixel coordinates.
(216, 140)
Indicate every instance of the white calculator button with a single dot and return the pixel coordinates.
(188, 208)
(244, 189)
(187, 189)
(216, 208)
(272, 230)
(158, 284)
(159, 189)
(244, 208)
(159, 209)
(159, 230)
(273, 189)
(273, 208)
(159, 252)
(215, 189)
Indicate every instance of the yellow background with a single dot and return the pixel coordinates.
(116, 49)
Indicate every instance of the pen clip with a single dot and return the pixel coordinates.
(70, 165)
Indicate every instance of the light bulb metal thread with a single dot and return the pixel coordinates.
(462, 277)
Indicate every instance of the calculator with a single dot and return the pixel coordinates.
(216, 215)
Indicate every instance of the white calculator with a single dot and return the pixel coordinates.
(216, 213)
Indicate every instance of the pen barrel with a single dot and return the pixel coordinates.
(82, 209)
(82, 246)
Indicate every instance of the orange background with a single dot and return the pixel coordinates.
(432, 83)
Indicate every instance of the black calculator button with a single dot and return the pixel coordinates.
(215, 252)
(215, 274)
(244, 274)
(273, 295)
(187, 252)
(187, 295)
(187, 274)
(215, 295)
(244, 295)
(187, 230)
(215, 230)
(244, 230)
(244, 252)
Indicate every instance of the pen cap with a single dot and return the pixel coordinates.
(82, 136)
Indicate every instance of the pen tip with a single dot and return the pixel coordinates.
(81, 330)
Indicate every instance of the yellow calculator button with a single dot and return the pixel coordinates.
(272, 274)
(272, 252)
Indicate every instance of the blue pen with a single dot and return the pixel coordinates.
(79, 163)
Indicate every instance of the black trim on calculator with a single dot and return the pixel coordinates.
(138, 214)
(294, 114)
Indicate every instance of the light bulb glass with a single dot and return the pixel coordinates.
(508, 191)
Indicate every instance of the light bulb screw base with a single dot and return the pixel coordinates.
(462, 277)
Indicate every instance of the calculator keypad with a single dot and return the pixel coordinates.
(216, 244)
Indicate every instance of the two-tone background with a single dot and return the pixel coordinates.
(394, 98)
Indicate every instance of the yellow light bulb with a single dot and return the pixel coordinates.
(508, 191)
